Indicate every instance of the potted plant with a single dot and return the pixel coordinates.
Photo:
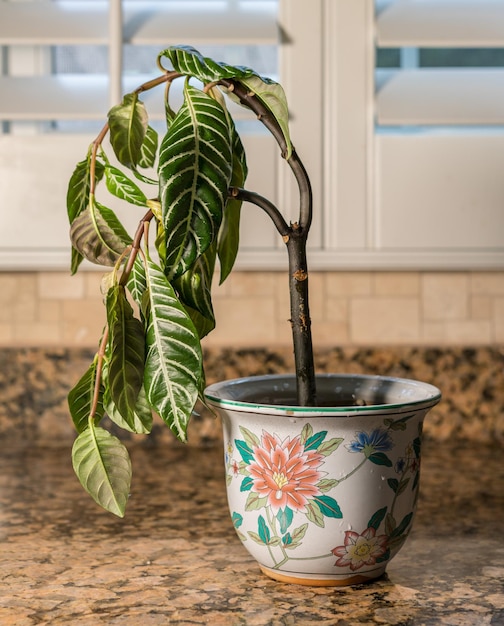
(303, 453)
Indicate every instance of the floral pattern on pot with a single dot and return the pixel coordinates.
(287, 485)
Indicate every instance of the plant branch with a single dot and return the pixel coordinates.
(267, 206)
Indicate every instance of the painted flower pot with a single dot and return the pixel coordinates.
(326, 495)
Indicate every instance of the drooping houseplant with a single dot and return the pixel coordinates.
(151, 359)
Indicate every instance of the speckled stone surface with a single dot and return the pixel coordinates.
(34, 384)
(174, 558)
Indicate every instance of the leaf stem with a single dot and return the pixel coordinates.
(99, 371)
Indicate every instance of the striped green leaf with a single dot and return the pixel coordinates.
(128, 123)
(173, 359)
(123, 187)
(186, 60)
(80, 399)
(140, 422)
(127, 354)
(148, 150)
(103, 467)
(98, 235)
(229, 233)
(194, 172)
(78, 187)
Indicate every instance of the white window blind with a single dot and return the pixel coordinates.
(439, 141)
(63, 63)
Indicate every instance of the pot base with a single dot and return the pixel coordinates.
(317, 581)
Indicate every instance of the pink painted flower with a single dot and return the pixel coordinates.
(285, 473)
(361, 549)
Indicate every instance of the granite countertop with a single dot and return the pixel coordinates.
(174, 558)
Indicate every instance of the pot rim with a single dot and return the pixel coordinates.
(225, 395)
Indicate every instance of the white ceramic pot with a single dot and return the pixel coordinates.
(326, 495)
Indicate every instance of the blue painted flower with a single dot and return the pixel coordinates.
(377, 441)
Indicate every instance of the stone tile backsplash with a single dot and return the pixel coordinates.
(348, 308)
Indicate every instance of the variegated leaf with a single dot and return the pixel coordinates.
(173, 359)
(80, 399)
(194, 171)
(98, 235)
(148, 151)
(79, 186)
(140, 421)
(123, 187)
(187, 60)
(103, 467)
(128, 126)
(127, 354)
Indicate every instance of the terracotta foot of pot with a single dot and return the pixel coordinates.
(318, 581)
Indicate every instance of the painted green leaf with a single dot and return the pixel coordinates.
(98, 235)
(403, 525)
(229, 234)
(237, 519)
(247, 484)
(313, 442)
(285, 517)
(103, 467)
(126, 354)
(78, 187)
(173, 365)
(140, 422)
(251, 440)
(128, 126)
(297, 536)
(245, 451)
(378, 458)
(273, 97)
(328, 506)
(393, 483)
(287, 540)
(417, 446)
(326, 484)
(148, 150)
(314, 514)
(402, 486)
(306, 433)
(377, 518)
(123, 187)
(187, 60)
(263, 530)
(328, 447)
(80, 399)
(194, 173)
(255, 502)
(390, 524)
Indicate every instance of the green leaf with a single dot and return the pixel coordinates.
(251, 440)
(187, 60)
(79, 185)
(255, 502)
(194, 287)
(328, 506)
(405, 522)
(148, 151)
(328, 447)
(140, 422)
(247, 484)
(173, 367)
(393, 483)
(229, 234)
(80, 399)
(297, 536)
(285, 517)
(306, 433)
(417, 446)
(264, 532)
(128, 127)
(245, 451)
(237, 520)
(313, 442)
(314, 514)
(98, 235)
(194, 172)
(273, 97)
(137, 282)
(402, 485)
(377, 518)
(326, 484)
(378, 458)
(123, 187)
(127, 354)
(103, 467)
